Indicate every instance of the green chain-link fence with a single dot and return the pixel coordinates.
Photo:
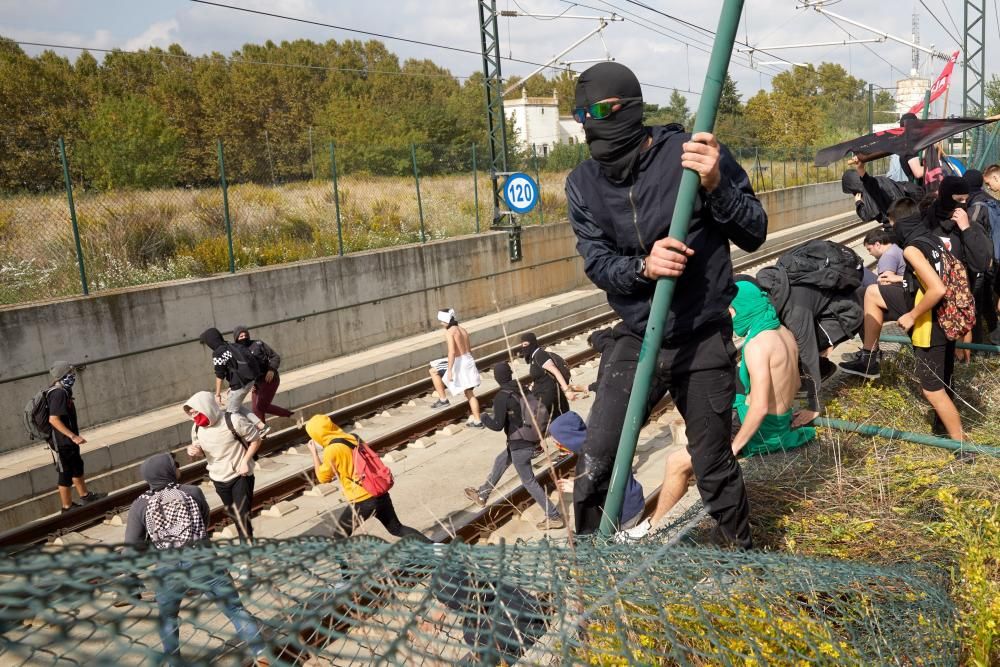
(277, 202)
(363, 601)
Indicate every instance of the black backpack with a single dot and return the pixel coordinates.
(248, 368)
(823, 264)
(36, 415)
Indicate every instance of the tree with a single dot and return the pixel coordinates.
(993, 96)
(129, 143)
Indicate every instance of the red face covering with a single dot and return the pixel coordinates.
(200, 419)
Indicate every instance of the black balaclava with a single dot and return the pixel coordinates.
(974, 178)
(910, 228)
(211, 338)
(504, 375)
(237, 330)
(945, 204)
(615, 141)
(532, 345)
(905, 117)
(159, 471)
(851, 184)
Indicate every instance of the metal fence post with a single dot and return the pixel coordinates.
(538, 179)
(475, 184)
(579, 153)
(225, 207)
(416, 179)
(72, 216)
(336, 199)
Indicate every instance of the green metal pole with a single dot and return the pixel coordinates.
(718, 65)
(979, 347)
(420, 206)
(538, 179)
(908, 436)
(871, 108)
(927, 105)
(336, 199)
(72, 216)
(225, 206)
(475, 184)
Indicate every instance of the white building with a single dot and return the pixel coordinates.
(538, 123)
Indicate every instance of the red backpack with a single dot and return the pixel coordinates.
(369, 472)
(956, 312)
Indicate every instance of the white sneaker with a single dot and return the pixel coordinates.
(263, 430)
(634, 534)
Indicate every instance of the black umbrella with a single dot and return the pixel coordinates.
(907, 140)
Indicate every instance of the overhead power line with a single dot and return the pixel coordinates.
(938, 21)
(407, 40)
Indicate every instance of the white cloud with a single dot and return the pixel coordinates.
(161, 33)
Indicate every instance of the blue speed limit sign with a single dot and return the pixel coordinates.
(520, 193)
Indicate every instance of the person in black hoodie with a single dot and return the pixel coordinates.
(947, 220)
(522, 438)
(547, 382)
(267, 384)
(620, 206)
(239, 368)
(173, 516)
(933, 352)
(983, 289)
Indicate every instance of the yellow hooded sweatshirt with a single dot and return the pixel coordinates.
(338, 459)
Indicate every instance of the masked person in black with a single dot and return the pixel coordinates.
(547, 381)
(620, 206)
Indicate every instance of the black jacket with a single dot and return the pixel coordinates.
(616, 225)
(506, 416)
(971, 247)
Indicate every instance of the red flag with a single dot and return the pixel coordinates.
(940, 84)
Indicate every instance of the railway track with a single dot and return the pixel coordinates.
(480, 524)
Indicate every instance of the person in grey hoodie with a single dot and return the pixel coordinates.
(229, 442)
(172, 515)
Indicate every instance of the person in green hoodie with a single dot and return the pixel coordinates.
(768, 377)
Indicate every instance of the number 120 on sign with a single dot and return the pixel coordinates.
(520, 193)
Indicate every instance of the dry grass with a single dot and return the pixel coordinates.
(888, 502)
(137, 237)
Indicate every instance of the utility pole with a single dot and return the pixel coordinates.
(496, 122)
(974, 51)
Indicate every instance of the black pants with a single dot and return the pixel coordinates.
(237, 498)
(381, 508)
(699, 374)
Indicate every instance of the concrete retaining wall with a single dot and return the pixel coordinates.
(140, 345)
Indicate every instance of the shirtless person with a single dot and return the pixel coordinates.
(458, 372)
(769, 375)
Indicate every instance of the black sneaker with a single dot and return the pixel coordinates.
(91, 497)
(826, 368)
(865, 366)
(854, 356)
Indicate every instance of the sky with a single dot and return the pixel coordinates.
(665, 53)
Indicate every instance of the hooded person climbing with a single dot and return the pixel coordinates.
(549, 376)
(228, 442)
(333, 453)
(619, 207)
(765, 393)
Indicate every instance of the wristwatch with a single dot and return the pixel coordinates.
(641, 271)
